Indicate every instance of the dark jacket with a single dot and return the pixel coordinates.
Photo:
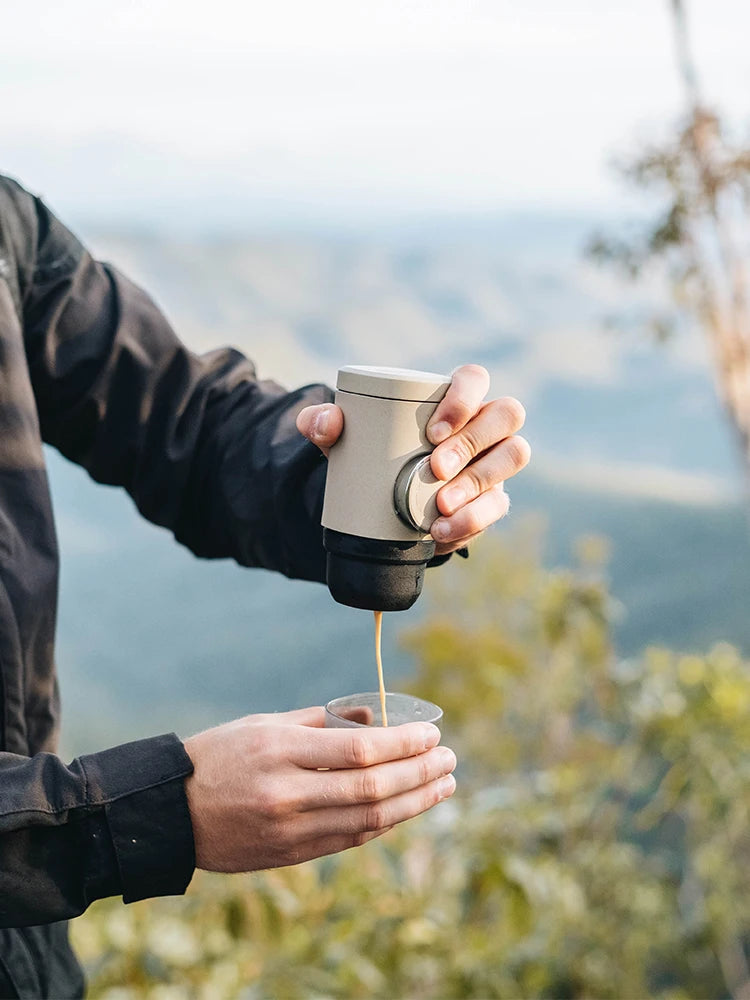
(90, 365)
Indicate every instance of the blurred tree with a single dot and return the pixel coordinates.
(611, 835)
(701, 237)
(598, 845)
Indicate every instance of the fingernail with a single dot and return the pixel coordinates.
(454, 496)
(451, 464)
(439, 432)
(446, 786)
(447, 758)
(440, 531)
(320, 424)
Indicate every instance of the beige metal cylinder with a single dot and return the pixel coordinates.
(384, 428)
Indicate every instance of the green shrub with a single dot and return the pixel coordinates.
(597, 846)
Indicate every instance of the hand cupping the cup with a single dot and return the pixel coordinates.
(477, 448)
(272, 790)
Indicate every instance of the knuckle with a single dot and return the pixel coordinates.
(270, 804)
(478, 479)
(423, 766)
(471, 441)
(358, 752)
(257, 719)
(433, 795)
(461, 413)
(262, 737)
(264, 752)
(375, 818)
(371, 787)
(464, 446)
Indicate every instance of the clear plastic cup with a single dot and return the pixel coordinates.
(355, 710)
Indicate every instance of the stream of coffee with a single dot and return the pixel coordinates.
(378, 634)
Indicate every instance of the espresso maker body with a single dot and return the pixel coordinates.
(380, 497)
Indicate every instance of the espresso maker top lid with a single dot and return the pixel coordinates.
(393, 383)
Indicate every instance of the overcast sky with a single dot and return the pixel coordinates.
(345, 108)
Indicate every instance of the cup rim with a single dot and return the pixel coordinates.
(346, 700)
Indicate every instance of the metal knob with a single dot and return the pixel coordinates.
(414, 494)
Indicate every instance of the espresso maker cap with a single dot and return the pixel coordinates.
(393, 383)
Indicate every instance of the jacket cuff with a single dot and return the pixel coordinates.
(142, 788)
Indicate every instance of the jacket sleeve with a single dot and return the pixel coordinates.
(202, 446)
(204, 449)
(111, 823)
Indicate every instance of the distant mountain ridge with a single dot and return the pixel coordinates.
(627, 438)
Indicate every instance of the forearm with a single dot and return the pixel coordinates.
(112, 823)
(203, 447)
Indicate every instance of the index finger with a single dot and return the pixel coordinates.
(469, 385)
(314, 716)
(362, 747)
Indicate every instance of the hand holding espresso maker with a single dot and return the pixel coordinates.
(380, 497)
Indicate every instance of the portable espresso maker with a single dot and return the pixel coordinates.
(380, 491)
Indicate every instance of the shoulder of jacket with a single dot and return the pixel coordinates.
(15, 194)
(18, 235)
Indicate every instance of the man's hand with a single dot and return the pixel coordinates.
(273, 790)
(477, 449)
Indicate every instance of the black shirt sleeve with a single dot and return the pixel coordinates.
(202, 446)
(206, 450)
(110, 823)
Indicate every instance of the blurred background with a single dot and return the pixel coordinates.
(559, 193)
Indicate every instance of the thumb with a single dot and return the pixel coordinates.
(321, 424)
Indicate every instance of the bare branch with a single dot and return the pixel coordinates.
(701, 238)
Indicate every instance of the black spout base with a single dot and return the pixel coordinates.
(375, 574)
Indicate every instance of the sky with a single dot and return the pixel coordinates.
(343, 109)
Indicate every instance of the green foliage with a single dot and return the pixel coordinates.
(598, 845)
